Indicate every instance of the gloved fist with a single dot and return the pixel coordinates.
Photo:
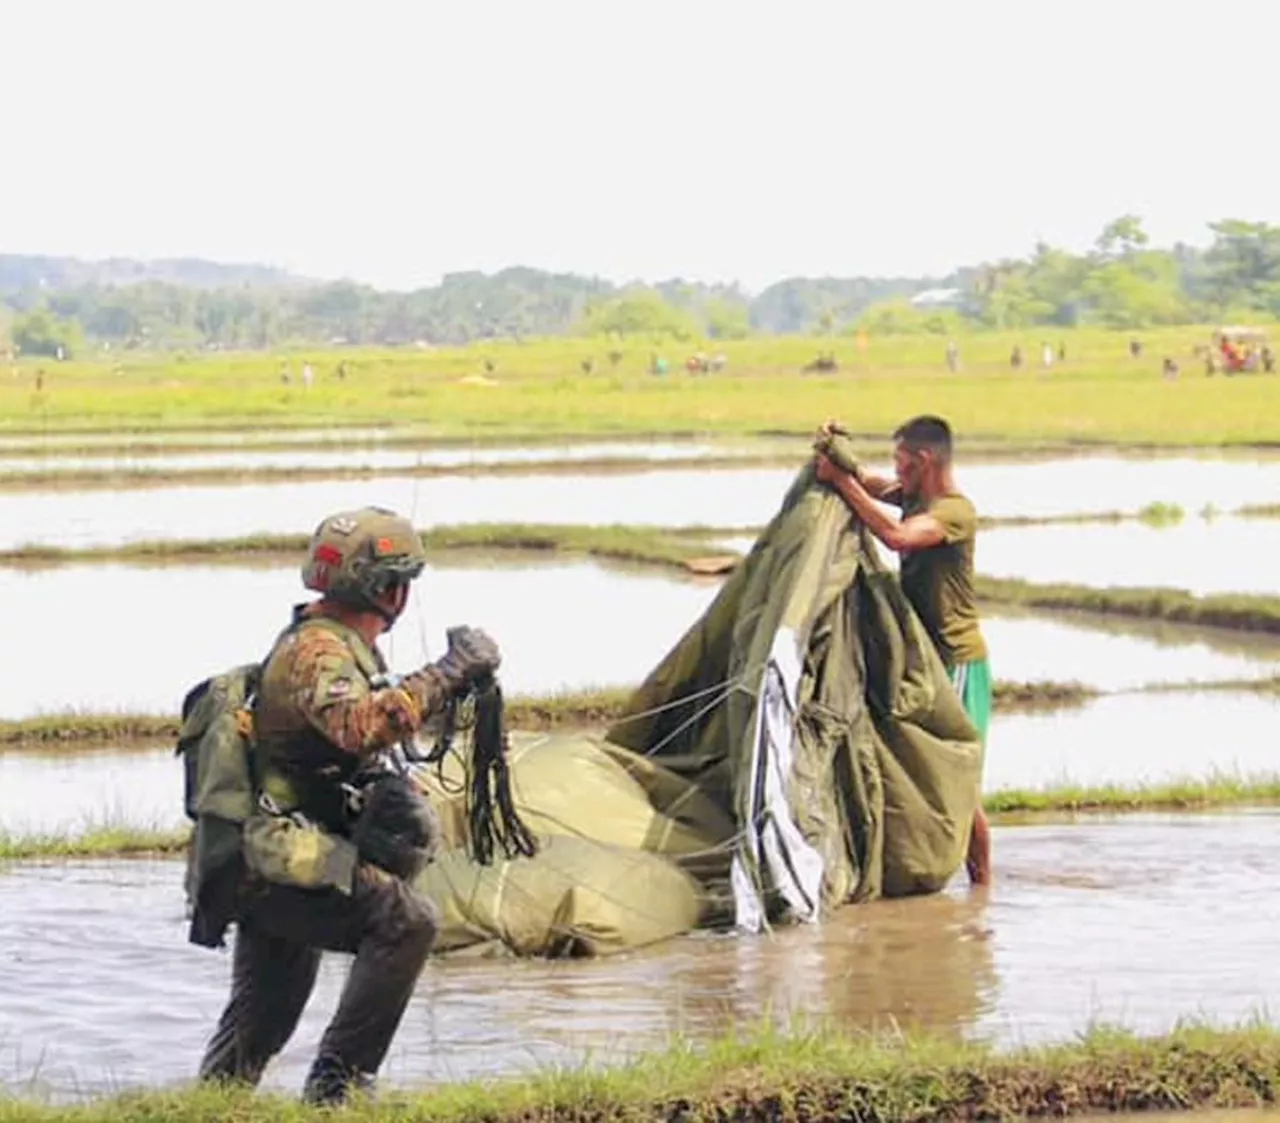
(472, 655)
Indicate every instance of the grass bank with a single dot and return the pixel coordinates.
(1218, 791)
(671, 547)
(117, 479)
(1237, 611)
(1098, 395)
(809, 1075)
(76, 731)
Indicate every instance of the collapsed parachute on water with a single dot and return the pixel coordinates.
(799, 748)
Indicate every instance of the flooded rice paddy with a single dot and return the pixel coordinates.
(374, 457)
(135, 638)
(1094, 922)
(1126, 739)
(648, 496)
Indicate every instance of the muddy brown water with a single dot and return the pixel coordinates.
(649, 496)
(1138, 921)
(1128, 739)
(126, 637)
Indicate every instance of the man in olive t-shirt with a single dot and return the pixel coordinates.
(935, 539)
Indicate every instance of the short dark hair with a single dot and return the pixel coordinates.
(926, 432)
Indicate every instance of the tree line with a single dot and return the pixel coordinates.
(1122, 281)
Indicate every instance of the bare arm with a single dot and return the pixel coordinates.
(881, 488)
(918, 532)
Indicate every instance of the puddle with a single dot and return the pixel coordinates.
(373, 457)
(102, 992)
(652, 497)
(1129, 739)
(1204, 556)
(157, 630)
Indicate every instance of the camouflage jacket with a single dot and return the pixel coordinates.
(317, 721)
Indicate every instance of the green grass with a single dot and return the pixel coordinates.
(76, 731)
(1099, 396)
(810, 1073)
(96, 842)
(1010, 805)
(115, 479)
(1213, 791)
(1237, 611)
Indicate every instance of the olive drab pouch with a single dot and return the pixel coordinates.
(289, 850)
(215, 742)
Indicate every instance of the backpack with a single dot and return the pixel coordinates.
(219, 794)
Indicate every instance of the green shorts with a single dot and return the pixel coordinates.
(972, 681)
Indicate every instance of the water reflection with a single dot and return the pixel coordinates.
(156, 630)
(653, 497)
(1132, 739)
(1204, 556)
(102, 991)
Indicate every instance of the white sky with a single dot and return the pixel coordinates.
(710, 139)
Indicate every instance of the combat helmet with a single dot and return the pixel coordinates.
(355, 556)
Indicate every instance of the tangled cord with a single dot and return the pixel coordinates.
(492, 817)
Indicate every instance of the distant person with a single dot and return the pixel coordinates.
(1046, 355)
(1268, 359)
(1062, 352)
(1170, 368)
(953, 356)
(1135, 348)
(1015, 358)
(935, 540)
(308, 375)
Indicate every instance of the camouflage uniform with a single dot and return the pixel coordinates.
(318, 720)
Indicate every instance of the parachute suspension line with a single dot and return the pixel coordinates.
(491, 782)
(640, 715)
(417, 600)
(721, 691)
(492, 817)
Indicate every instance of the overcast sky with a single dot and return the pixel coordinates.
(744, 139)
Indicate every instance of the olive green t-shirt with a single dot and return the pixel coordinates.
(938, 581)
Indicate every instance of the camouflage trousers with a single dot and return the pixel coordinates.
(280, 934)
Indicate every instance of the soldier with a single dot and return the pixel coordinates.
(319, 719)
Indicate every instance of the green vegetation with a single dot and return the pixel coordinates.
(1099, 396)
(1010, 805)
(804, 1073)
(1237, 611)
(100, 842)
(671, 548)
(1217, 790)
(1122, 282)
(113, 479)
(75, 731)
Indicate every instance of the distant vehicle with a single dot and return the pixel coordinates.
(1241, 349)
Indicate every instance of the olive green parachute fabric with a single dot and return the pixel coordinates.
(627, 854)
(800, 747)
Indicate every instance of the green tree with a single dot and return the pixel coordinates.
(638, 312)
(40, 332)
(726, 320)
(1244, 265)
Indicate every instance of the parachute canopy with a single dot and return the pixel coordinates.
(799, 748)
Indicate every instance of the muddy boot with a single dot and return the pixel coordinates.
(330, 1083)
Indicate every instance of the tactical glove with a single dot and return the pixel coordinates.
(471, 656)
